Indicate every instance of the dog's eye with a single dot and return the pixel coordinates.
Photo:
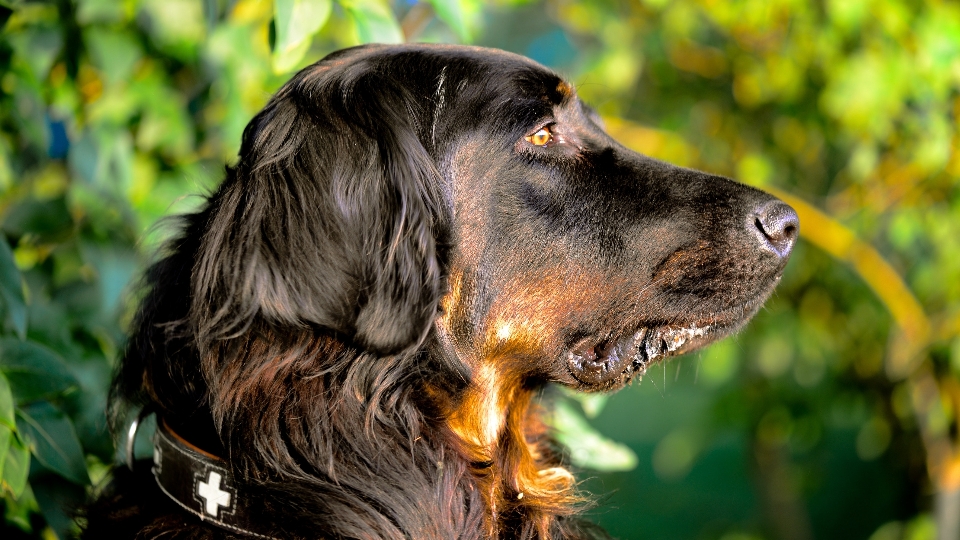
(542, 137)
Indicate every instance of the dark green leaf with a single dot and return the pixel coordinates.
(52, 439)
(33, 370)
(11, 289)
(5, 13)
(16, 468)
(57, 500)
(49, 220)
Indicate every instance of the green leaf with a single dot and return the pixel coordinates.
(592, 404)
(454, 14)
(296, 22)
(588, 448)
(7, 417)
(6, 438)
(5, 13)
(34, 371)
(57, 499)
(115, 52)
(102, 11)
(38, 46)
(16, 468)
(177, 27)
(47, 220)
(7, 420)
(53, 440)
(116, 266)
(11, 289)
(373, 21)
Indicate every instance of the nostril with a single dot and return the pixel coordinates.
(779, 226)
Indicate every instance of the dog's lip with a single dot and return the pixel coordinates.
(603, 363)
(599, 362)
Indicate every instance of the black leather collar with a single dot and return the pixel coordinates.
(201, 483)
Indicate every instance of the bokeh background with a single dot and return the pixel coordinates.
(833, 415)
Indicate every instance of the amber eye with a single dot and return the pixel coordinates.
(542, 137)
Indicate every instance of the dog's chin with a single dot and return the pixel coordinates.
(607, 364)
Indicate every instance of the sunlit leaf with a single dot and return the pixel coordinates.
(33, 370)
(296, 21)
(102, 11)
(52, 439)
(587, 447)
(11, 289)
(373, 21)
(454, 13)
(176, 26)
(16, 468)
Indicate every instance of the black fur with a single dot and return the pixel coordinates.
(359, 318)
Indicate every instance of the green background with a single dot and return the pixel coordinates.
(834, 414)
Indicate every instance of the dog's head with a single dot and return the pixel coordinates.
(389, 192)
(413, 241)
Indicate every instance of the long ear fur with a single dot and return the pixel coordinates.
(330, 220)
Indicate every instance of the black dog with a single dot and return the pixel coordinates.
(415, 240)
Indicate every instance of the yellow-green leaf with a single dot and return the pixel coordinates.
(16, 468)
(455, 13)
(588, 448)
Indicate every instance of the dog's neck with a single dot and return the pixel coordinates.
(496, 421)
(477, 454)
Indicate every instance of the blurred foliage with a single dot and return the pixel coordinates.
(835, 414)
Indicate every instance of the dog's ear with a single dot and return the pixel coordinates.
(330, 220)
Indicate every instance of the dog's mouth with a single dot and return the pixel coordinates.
(610, 362)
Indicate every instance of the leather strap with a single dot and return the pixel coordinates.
(201, 483)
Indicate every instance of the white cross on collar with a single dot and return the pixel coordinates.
(212, 495)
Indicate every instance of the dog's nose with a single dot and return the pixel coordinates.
(778, 225)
